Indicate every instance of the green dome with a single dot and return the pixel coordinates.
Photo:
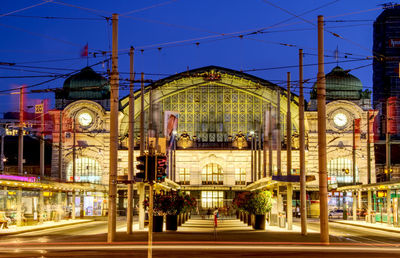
(87, 84)
(340, 84)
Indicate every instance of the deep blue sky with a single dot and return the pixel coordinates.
(27, 39)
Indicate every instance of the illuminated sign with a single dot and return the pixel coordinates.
(85, 178)
(394, 42)
(29, 179)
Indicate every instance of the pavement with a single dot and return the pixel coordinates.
(11, 230)
(364, 224)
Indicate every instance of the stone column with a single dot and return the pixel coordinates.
(41, 206)
(289, 206)
(354, 205)
(19, 207)
(141, 206)
(389, 207)
(359, 203)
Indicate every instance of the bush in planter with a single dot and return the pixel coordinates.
(240, 203)
(260, 204)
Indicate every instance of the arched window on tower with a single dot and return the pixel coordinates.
(340, 172)
(86, 170)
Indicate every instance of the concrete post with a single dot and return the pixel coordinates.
(354, 206)
(369, 208)
(359, 203)
(141, 206)
(81, 205)
(289, 206)
(59, 206)
(389, 207)
(73, 205)
(19, 207)
(41, 206)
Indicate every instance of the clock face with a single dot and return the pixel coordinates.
(340, 120)
(85, 119)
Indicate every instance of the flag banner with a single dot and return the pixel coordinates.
(85, 51)
(170, 124)
(357, 131)
(392, 116)
(274, 125)
(371, 125)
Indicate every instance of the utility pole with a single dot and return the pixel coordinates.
(131, 147)
(259, 149)
(21, 132)
(354, 152)
(42, 142)
(303, 196)
(74, 149)
(141, 188)
(289, 187)
(278, 136)
(369, 147)
(60, 136)
(270, 157)
(388, 152)
(288, 131)
(114, 103)
(265, 142)
(321, 103)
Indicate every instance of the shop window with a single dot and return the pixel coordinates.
(184, 176)
(87, 170)
(212, 174)
(240, 176)
(212, 199)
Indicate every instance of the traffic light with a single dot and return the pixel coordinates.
(151, 168)
(161, 168)
(141, 167)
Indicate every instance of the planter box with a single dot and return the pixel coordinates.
(172, 222)
(249, 219)
(158, 223)
(259, 221)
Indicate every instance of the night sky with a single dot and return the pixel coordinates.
(44, 39)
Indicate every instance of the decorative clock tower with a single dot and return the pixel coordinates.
(348, 118)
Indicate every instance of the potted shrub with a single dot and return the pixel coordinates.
(260, 204)
(174, 206)
(158, 213)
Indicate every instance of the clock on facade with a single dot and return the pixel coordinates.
(85, 119)
(340, 120)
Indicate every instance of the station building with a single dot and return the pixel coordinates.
(221, 141)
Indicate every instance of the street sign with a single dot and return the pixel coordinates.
(39, 109)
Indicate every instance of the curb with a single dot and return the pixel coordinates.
(37, 229)
(366, 226)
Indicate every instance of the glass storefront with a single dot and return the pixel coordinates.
(212, 199)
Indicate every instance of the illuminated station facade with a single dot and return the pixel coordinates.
(221, 144)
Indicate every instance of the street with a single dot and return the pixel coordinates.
(232, 238)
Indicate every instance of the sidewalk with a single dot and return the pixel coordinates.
(377, 225)
(48, 224)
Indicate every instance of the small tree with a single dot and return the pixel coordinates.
(260, 202)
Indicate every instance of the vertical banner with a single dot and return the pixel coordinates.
(357, 130)
(170, 126)
(274, 121)
(371, 125)
(392, 116)
(266, 123)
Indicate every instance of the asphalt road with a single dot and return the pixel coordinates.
(197, 238)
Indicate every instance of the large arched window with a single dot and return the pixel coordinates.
(212, 174)
(340, 172)
(87, 170)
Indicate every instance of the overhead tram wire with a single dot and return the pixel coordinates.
(25, 8)
(57, 17)
(149, 7)
(47, 81)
